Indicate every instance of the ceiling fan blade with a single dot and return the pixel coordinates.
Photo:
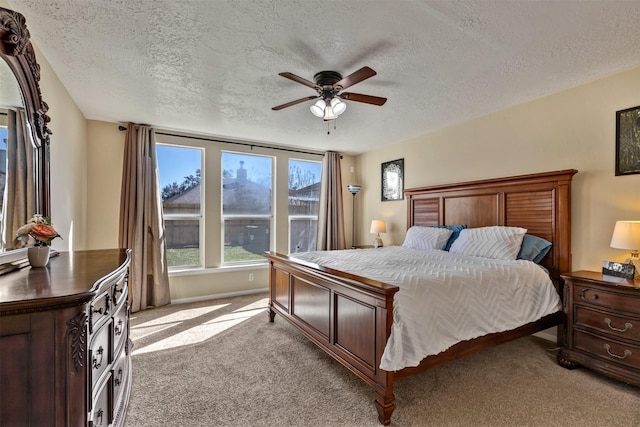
(367, 99)
(356, 77)
(300, 80)
(297, 101)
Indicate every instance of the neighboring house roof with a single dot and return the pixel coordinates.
(190, 196)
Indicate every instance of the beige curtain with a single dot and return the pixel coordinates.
(19, 193)
(331, 218)
(141, 223)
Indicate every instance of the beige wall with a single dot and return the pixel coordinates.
(573, 129)
(68, 163)
(105, 151)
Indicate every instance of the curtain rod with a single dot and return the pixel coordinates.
(246, 144)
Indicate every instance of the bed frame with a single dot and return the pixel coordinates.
(350, 317)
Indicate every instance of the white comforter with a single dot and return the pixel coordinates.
(446, 298)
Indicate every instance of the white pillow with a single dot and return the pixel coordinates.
(489, 242)
(426, 238)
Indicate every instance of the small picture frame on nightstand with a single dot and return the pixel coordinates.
(618, 269)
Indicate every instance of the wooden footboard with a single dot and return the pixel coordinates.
(347, 316)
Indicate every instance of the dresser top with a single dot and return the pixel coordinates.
(69, 277)
(602, 279)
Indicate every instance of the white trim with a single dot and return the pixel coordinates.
(227, 268)
(219, 296)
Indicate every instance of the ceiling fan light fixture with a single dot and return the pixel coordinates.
(318, 109)
(329, 114)
(338, 106)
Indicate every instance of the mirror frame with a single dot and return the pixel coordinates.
(17, 51)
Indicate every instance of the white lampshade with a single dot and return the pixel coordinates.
(318, 108)
(329, 114)
(378, 226)
(626, 235)
(353, 188)
(338, 106)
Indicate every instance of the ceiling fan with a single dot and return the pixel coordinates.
(329, 86)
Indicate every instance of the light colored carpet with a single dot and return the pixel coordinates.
(221, 363)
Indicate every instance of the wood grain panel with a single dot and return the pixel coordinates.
(281, 288)
(355, 325)
(15, 365)
(472, 210)
(311, 304)
(532, 210)
(425, 211)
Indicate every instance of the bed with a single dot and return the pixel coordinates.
(350, 316)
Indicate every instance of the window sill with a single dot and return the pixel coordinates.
(216, 270)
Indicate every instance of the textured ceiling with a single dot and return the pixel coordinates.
(212, 66)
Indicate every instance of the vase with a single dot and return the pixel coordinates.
(38, 255)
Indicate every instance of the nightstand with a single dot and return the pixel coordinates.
(602, 325)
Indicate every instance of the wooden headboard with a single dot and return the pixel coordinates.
(540, 202)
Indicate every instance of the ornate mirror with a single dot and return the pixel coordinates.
(25, 126)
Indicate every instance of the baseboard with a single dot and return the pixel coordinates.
(219, 296)
(547, 334)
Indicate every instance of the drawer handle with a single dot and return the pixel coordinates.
(592, 297)
(103, 310)
(118, 329)
(100, 412)
(118, 379)
(97, 364)
(118, 291)
(627, 353)
(627, 326)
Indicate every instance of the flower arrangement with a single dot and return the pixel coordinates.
(39, 228)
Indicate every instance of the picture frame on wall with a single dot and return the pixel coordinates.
(628, 141)
(393, 180)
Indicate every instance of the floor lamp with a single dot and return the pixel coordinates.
(353, 188)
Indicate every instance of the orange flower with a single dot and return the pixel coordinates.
(43, 233)
(39, 228)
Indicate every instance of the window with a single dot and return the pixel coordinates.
(181, 191)
(304, 204)
(247, 206)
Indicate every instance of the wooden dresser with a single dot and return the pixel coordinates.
(64, 342)
(602, 325)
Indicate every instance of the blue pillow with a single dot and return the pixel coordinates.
(456, 229)
(534, 248)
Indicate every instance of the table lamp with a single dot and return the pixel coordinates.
(377, 227)
(626, 235)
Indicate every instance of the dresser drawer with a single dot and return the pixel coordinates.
(614, 351)
(99, 310)
(592, 295)
(100, 415)
(100, 352)
(119, 374)
(120, 327)
(620, 326)
(119, 288)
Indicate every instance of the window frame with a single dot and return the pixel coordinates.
(295, 217)
(184, 216)
(259, 217)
